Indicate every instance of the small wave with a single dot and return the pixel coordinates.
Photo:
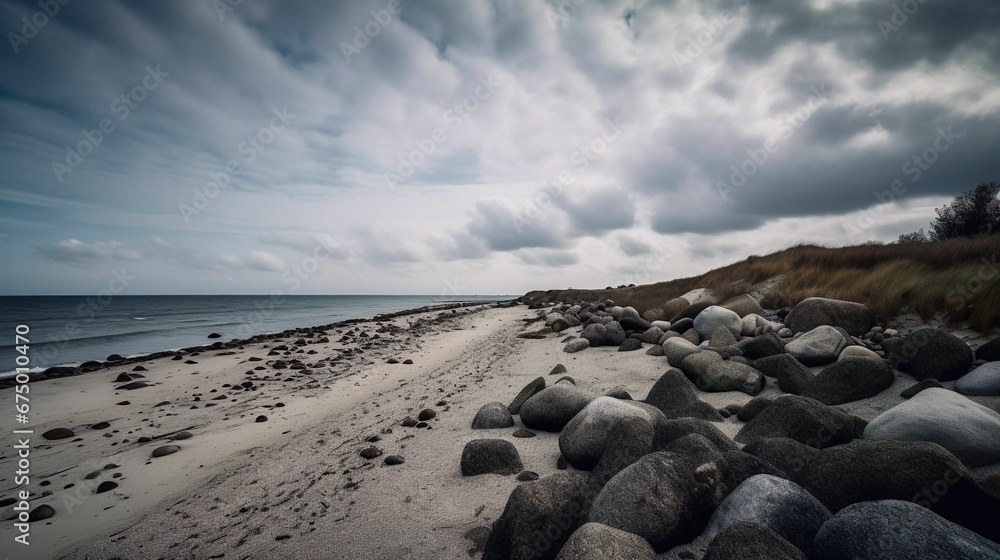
(139, 318)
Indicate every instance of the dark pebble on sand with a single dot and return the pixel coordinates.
(110, 466)
(138, 368)
(214, 335)
(58, 433)
(165, 450)
(41, 512)
(523, 434)
(261, 418)
(44, 483)
(408, 362)
(409, 422)
(100, 426)
(106, 486)
(421, 424)
(181, 436)
(527, 476)
(132, 386)
(279, 405)
(190, 362)
(371, 452)
(177, 357)
(7, 501)
(394, 460)
(426, 414)
(123, 403)
(392, 361)
(123, 378)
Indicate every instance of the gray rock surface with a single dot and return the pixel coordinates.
(855, 318)
(552, 408)
(898, 530)
(821, 345)
(967, 429)
(594, 541)
(850, 380)
(486, 456)
(982, 381)
(713, 317)
(676, 397)
(492, 416)
(585, 437)
(932, 353)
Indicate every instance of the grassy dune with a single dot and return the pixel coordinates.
(960, 277)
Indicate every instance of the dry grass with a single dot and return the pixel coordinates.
(960, 277)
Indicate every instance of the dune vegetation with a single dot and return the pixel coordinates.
(959, 277)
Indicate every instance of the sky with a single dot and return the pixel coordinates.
(474, 147)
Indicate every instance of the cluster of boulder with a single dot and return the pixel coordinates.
(801, 478)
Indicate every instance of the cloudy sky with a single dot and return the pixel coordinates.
(482, 146)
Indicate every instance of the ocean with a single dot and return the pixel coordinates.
(69, 330)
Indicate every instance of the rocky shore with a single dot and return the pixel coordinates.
(853, 439)
(702, 430)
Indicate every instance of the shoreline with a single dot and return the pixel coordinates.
(89, 366)
(361, 360)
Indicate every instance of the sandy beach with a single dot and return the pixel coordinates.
(296, 485)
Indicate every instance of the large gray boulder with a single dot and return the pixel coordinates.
(967, 429)
(984, 381)
(676, 397)
(750, 541)
(526, 392)
(652, 335)
(713, 317)
(850, 380)
(677, 348)
(662, 497)
(731, 376)
(486, 456)
(576, 345)
(594, 541)
(552, 408)
(586, 436)
(855, 318)
(539, 517)
(898, 530)
(802, 419)
(792, 376)
(492, 416)
(819, 346)
(743, 305)
(778, 504)
(932, 354)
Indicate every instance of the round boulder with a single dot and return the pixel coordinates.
(932, 354)
(984, 381)
(594, 541)
(898, 530)
(492, 416)
(850, 380)
(967, 429)
(778, 504)
(713, 317)
(586, 436)
(855, 318)
(484, 456)
(552, 408)
(819, 346)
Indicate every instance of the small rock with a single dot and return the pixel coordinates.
(426, 414)
(523, 434)
(527, 476)
(394, 460)
(370, 452)
(483, 456)
(261, 418)
(58, 433)
(106, 486)
(165, 450)
(492, 416)
(41, 512)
